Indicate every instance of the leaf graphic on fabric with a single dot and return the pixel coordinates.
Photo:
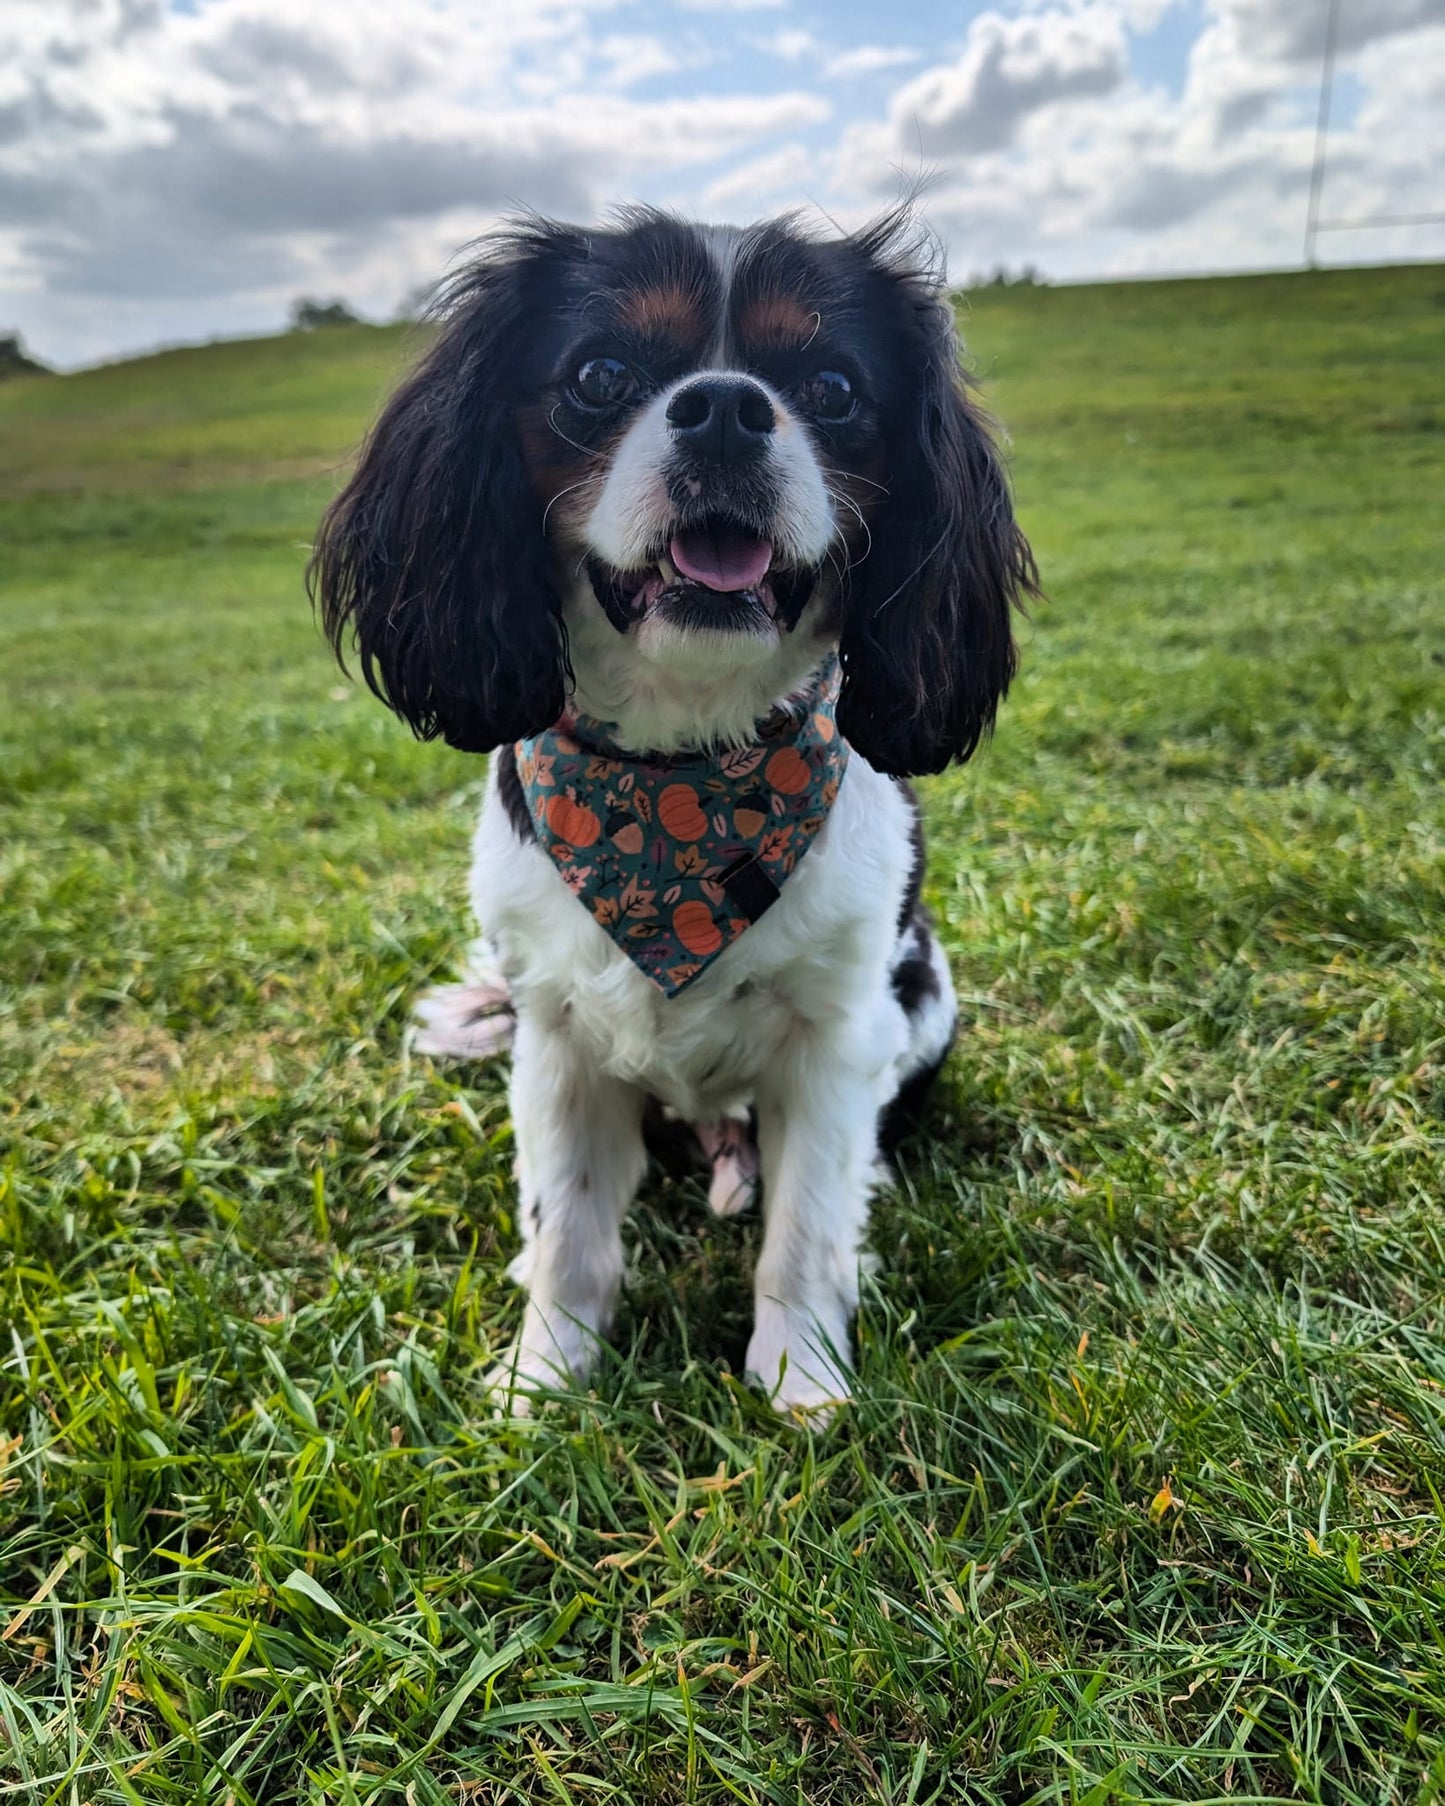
(741, 761)
(638, 899)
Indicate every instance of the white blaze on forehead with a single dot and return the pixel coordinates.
(724, 247)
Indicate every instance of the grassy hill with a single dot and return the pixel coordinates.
(1140, 1499)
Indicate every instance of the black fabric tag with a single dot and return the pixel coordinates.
(749, 886)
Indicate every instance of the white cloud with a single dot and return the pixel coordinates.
(1294, 30)
(234, 156)
(629, 58)
(1138, 15)
(868, 59)
(1010, 67)
(1045, 146)
(789, 45)
(168, 174)
(764, 183)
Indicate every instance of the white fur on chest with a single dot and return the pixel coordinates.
(817, 961)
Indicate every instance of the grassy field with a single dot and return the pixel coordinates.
(1141, 1498)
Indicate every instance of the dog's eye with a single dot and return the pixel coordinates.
(603, 382)
(828, 395)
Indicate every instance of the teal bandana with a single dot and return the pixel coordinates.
(677, 857)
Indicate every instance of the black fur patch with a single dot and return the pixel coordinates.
(904, 1113)
(913, 979)
(670, 1142)
(514, 801)
(433, 559)
(913, 889)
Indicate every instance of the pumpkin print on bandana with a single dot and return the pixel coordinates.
(676, 857)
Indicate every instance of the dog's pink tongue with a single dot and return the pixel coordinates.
(722, 561)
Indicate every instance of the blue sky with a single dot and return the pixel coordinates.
(172, 172)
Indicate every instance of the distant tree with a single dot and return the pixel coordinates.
(1028, 277)
(307, 314)
(15, 360)
(1001, 276)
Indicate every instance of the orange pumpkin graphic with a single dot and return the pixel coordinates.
(693, 925)
(572, 821)
(787, 771)
(679, 814)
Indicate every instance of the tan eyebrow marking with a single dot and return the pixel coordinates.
(672, 309)
(779, 320)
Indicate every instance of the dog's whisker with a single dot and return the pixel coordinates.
(839, 496)
(571, 489)
(586, 450)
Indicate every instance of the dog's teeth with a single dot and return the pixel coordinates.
(669, 575)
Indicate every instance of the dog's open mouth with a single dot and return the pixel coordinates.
(717, 576)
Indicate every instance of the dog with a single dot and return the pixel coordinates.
(700, 532)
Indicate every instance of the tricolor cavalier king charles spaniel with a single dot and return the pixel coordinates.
(699, 533)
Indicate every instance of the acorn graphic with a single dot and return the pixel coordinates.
(750, 813)
(624, 830)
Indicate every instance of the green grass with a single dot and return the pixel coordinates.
(1141, 1498)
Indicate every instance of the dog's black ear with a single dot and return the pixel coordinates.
(927, 643)
(432, 558)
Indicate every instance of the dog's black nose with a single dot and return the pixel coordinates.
(722, 419)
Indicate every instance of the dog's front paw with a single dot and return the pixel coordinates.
(553, 1353)
(803, 1370)
(511, 1385)
(514, 1383)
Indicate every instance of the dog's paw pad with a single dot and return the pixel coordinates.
(732, 1189)
(464, 1022)
(728, 1143)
